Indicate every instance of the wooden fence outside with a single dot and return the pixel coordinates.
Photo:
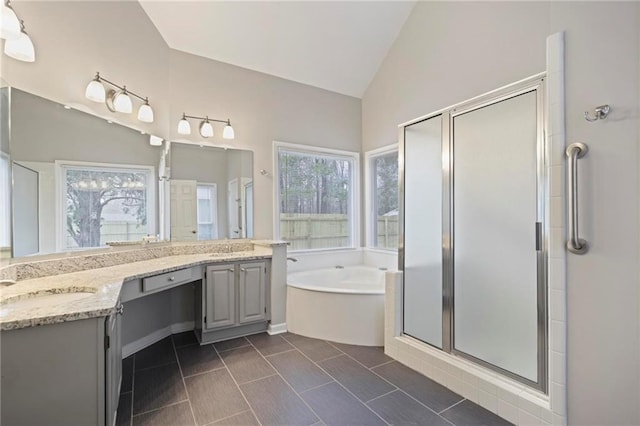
(116, 231)
(317, 231)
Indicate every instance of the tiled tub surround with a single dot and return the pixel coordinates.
(103, 274)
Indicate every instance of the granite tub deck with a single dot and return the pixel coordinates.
(103, 284)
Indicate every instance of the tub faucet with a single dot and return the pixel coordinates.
(293, 259)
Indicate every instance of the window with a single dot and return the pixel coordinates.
(382, 178)
(103, 203)
(317, 192)
(207, 211)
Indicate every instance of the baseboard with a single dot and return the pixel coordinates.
(148, 340)
(181, 327)
(277, 328)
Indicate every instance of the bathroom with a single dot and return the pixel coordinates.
(423, 57)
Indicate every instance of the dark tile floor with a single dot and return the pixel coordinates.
(283, 380)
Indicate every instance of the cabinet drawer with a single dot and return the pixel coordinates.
(168, 279)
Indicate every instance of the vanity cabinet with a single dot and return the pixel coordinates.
(232, 301)
(62, 374)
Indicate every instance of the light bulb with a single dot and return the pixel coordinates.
(206, 129)
(20, 48)
(10, 28)
(122, 102)
(95, 90)
(228, 132)
(184, 128)
(145, 113)
(155, 140)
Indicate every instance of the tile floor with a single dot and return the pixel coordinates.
(282, 380)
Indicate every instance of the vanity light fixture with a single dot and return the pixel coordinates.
(11, 28)
(117, 100)
(20, 48)
(206, 129)
(155, 140)
(184, 128)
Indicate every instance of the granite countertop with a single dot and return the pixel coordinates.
(21, 306)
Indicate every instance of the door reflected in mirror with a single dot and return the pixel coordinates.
(211, 193)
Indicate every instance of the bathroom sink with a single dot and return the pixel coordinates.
(49, 297)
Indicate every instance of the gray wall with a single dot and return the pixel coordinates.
(44, 131)
(460, 50)
(262, 109)
(72, 45)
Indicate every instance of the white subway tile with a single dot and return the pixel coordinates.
(558, 336)
(557, 274)
(529, 406)
(558, 369)
(508, 411)
(557, 301)
(557, 146)
(556, 212)
(556, 180)
(527, 419)
(556, 119)
(555, 87)
(457, 385)
(559, 420)
(556, 243)
(555, 52)
(558, 399)
(488, 387)
(510, 393)
(547, 415)
(488, 401)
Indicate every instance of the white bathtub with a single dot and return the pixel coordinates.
(340, 305)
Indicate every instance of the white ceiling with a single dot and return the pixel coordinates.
(334, 45)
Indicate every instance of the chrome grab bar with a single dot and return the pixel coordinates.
(574, 151)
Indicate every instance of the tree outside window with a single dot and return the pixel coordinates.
(385, 200)
(104, 205)
(315, 197)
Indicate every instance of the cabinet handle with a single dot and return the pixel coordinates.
(243, 270)
(172, 278)
(231, 270)
(120, 310)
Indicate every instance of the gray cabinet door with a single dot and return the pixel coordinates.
(113, 365)
(220, 297)
(252, 292)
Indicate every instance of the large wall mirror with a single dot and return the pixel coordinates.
(72, 181)
(211, 193)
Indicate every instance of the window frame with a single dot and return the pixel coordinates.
(354, 198)
(370, 199)
(60, 204)
(214, 210)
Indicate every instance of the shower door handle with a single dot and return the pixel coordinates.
(575, 244)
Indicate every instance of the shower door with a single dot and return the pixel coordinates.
(422, 184)
(473, 250)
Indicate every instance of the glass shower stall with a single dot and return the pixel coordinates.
(473, 248)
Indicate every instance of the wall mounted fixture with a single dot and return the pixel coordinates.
(599, 113)
(206, 129)
(155, 140)
(18, 44)
(117, 101)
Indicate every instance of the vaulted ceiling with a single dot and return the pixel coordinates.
(334, 45)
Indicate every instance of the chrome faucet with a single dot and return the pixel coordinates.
(293, 259)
